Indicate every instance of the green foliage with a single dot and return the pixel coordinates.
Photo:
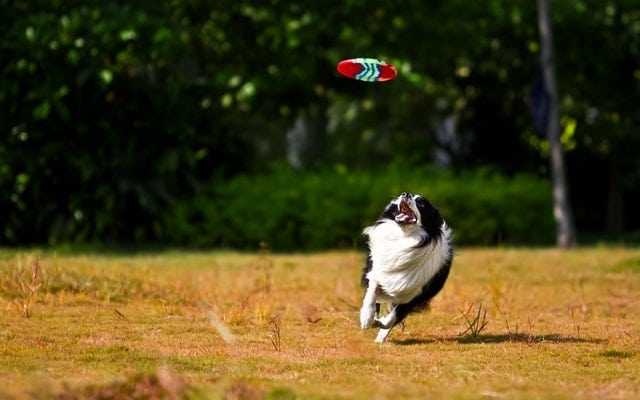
(105, 112)
(110, 111)
(288, 210)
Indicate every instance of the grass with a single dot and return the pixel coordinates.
(548, 324)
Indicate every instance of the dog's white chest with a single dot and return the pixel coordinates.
(399, 267)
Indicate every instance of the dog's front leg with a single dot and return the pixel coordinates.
(368, 310)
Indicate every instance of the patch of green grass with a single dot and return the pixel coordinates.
(630, 264)
(559, 325)
(279, 393)
(616, 354)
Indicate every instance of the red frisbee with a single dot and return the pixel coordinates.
(367, 69)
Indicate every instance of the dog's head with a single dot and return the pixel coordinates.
(413, 209)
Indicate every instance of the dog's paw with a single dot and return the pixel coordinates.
(367, 316)
(382, 335)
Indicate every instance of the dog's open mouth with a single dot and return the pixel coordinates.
(406, 214)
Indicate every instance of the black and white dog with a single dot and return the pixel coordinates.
(410, 254)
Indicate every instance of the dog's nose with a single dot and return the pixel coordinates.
(406, 194)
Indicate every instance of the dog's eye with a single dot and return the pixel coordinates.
(390, 211)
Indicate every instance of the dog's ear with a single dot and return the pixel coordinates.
(429, 215)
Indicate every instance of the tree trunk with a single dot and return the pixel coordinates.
(565, 230)
(307, 142)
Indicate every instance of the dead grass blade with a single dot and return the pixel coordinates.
(22, 284)
(274, 333)
(476, 324)
(120, 315)
(221, 328)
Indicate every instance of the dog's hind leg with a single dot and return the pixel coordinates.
(400, 311)
(386, 324)
(388, 320)
(382, 335)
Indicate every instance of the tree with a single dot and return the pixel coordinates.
(566, 235)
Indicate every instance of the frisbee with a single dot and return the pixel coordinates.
(367, 70)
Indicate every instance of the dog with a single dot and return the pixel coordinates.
(409, 258)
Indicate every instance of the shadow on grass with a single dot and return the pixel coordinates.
(506, 338)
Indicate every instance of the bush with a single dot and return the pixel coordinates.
(287, 210)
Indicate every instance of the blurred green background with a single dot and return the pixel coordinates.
(224, 124)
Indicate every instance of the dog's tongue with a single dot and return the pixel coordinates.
(406, 215)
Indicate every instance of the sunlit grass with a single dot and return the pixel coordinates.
(559, 325)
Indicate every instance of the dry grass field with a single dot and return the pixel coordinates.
(253, 326)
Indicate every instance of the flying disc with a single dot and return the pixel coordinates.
(367, 69)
